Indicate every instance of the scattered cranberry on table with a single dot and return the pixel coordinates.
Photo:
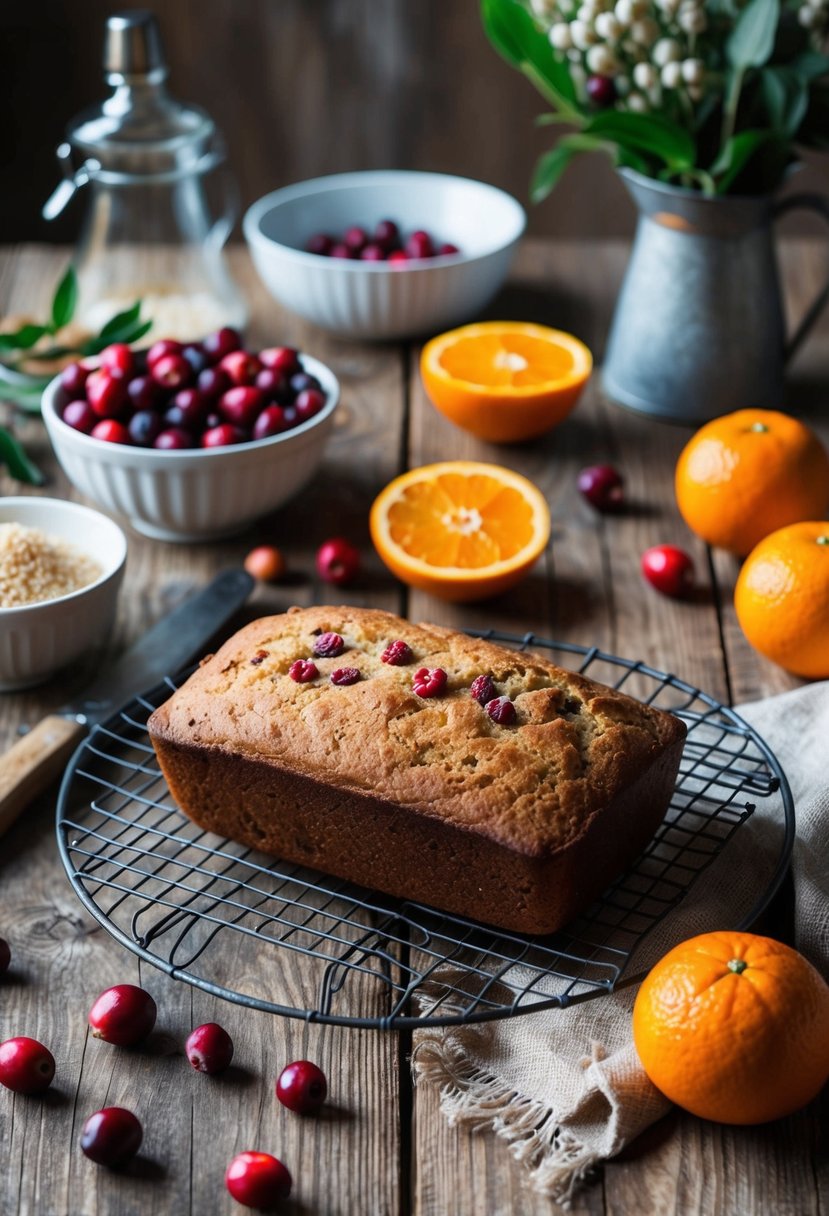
(258, 1180)
(209, 1048)
(26, 1066)
(5, 956)
(265, 563)
(123, 1015)
(208, 394)
(603, 487)
(111, 1136)
(302, 1087)
(668, 569)
(385, 244)
(338, 561)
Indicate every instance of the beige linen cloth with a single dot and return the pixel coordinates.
(564, 1088)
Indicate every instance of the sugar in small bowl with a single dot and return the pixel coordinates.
(61, 566)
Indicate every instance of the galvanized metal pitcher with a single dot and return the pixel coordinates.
(699, 328)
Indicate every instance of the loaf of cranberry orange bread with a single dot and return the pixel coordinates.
(420, 762)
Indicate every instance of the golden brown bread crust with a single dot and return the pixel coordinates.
(519, 825)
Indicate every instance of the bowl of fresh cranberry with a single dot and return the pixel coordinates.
(191, 441)
(386, 253)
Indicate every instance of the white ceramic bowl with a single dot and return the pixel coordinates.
(36, 640)
(200, 493)
(375, 299)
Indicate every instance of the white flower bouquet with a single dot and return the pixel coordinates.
(714, 95)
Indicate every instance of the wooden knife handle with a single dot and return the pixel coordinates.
(32, 764)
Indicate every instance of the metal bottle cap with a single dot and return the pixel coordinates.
(132, 45)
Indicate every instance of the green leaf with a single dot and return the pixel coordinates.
(23, 338)
(120, 321)
(786, 98)
(549, 168)
(751, 41)
(64, 301)
(17, 462)
(811, 65)
(651, 133)
(517, 38)
(130, 332)
(736, 154)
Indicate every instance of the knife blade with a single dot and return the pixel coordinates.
(31, 764)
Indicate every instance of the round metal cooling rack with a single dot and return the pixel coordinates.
(279, 937)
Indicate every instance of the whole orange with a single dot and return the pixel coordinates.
(746, 474)
(734, 1027)
(782, 598)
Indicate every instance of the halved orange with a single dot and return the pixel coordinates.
(461, 529)
(505, 381)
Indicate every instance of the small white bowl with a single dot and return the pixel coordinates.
(198, 493)
(36, 640)
(377, 299)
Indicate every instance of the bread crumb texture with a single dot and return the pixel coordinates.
(532, 785)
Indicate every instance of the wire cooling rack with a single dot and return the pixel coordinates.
(279, 937)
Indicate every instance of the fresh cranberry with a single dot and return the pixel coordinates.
(222, 436)
(123, 1015)
(300, 381)
(26, 1066)
(282, 359)
(602, 91)
(328, 646)
(110, 431)
(209, 1048)
(668, 569)
(309, 403)
(107, 394)
(212, 420)
(338, 562)
(419, 245)
(345, 675)
(429, 681)
(111, 1136)
(303, 671)
(397, 654)
(143, 393)
(258, 1180)
(192, 406)
(355, 239)
(289, 414)
(265, 563)
(73, 378)
(270, 422)
(602, 486)
(241, 367)
(5, 956)
(118, 359)
(221, 343)
(319, 243)
(302, 1087)
(483, 689)
(173, 439)
(448, 250)
(501, 710)
(273, 384)
(387, 235)
(144, 428)
(373, 253)
(398, 257)
(341, 250)
(196, 356)
(241, 405)
(172, 371)
(79, 415)
(159, 350)
(212, 382)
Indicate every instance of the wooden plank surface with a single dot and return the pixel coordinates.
(381, 1149)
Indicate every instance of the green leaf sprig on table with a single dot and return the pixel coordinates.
(24, 390)
(712, 95)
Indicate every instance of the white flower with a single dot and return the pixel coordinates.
(637, 103)
(583, 36)
(644, 76)
(693, 71)
(608, 27)
(624, 11)
(579, 79)
(645, 31)
(806, 16)
(668, 7)
(566, 7)
(587, 13)
(672, 75)
(622, 84)
(693, 20)
(543, 8)
(601, 61)
(560, 36)
(667, 50)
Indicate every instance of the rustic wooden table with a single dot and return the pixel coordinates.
(384, 1148)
